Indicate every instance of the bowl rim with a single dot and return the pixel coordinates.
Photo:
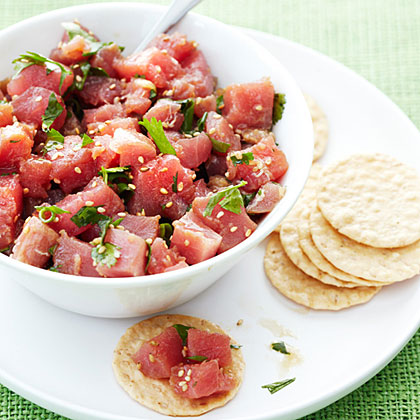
(191, 271)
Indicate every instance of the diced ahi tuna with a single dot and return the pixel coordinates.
(106, 57)
(167, 111)
(33, 243)
(269, 164)
(143, 226)
(99, 90)
(214, 346)
(10, 208)
(249, 105)
(155, 188)
(16, 143)
(192, 152)
(73, 256)
(216, 165)
(131, 146)
(102, 153)
(71, 52)
(132, 260)
(266, 198)
(6, 114)
(38, 75)
(137, 96)
(156, 357)
(176, 45)
(164, 259)
(233, 228)
(218, 128)
(73, 166)
(205, 379)
(203, 105)
(101, 128)
(194, 240)
(201, 189)
(254, 135)
(97, 193)
(35, 176)
(72, 126)
(103, 113)
(30, 106)
(217, 182)
(155, 65)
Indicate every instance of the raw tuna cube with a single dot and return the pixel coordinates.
(157, 356)
(10, 208)
(203, 105)
(73, 256)
(167, 111)
(99, 90)
(6, 114)
(143, 226)
(33, 243)
(163, 259)
(266, 198)
(194, 240)
(106, 57)
(36, 75)
(96, 193)
(249, 105)
(30, 106)
(131, 146)
(205, 379)
(216, 165)
(269, 164)
(109, 127)
(192, 152)
(137, 96)
(154, 193)
(72, 167)
(218, 128)
(102, 153)
(132, 261)
(35, 176)
(103, 113)
(201, 189)
(175, 44)
(213, 346)
(233, 228)
(156, 65)
(72, 126)
(16, 143)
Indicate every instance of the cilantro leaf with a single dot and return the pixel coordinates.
(175, 183)
(229, 199)
(187, 108)
(277, 386)
(111, 174)
(165, 232)
(149, 256)
(54, 139)
(55, 268)
(280, 346)
(88, 215)
(155, 129)
(201, 122)
(98, 71)
(182, 331)
(52, 210)
(278, 106)
(79, 81)
(52, 249)
(219, 104)
(52, 112)
(235, 346)
(152, 94)
(106, 254)
(31, 58)
(5, 249)
(197, 358)
(219, 146)
(245, 159)
(248, 198)
(86, 140)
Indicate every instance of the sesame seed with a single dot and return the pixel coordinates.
(248, 232)
(238, 131)
(180, 373)
(140, 159)
(144, 169)
(117, 99)
(77, 170)
(25, 190)
(217, 116)
(165, 124)
(182, 383)
(77, 130)
(57, 181)
(198, 100)
(234, 229)
(121, 214)
(163, 170)
(130, 176)
(120, 227)
(186, 242)
(169, 204)
(151, 358)
(76, 66)
(92, 131)
(184, 350)
(163, 191)
(231, 126)
(14, 119)
(227, 174)
(138, 214)
(132, 186)
(193, 176)
(143, 212)
(38, 99)
(112, 86)
(220, 214)
(77, 148)
(195, 44)
(197, 133)
(184, 387)
(101, 249)
(188, 136)
(96, 241)
(168, 257)
(180, 186)
(89, 203)
(149, 241)
(158, 68)
(79, 78)
(100, 210)
(268, 161)
(237, 136)
(169, 92)
(212, 130)
(259, 107)
(94, 184)
(240, 322)
(259, 165)
(164, 51)
(187, 378)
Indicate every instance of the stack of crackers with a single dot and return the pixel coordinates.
(354, 229)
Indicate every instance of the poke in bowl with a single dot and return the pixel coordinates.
(130, 182)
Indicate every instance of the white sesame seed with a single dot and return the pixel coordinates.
(181, 373)
(195, 44)
(76, 66)
(169, 92)
(248, 233)
(14, 118)
(180, 186)
(158, 68)
(212, 130)
(188, 136)
(25, 190)
(231, 126)
(77, 170)
(259, 107)
(163, 170)
(227, 174)
(168, 257)
(198, 100)
(112, 86)
(187, 378)
(94, 184)
(79, 78)
(96, 241)
(169, 204)
(38, 99)
(217, 116)
(120, 227)
(186, 242)
(77, 130)
(220, 214)
(121, 214)
(151, 358)
(149, 241)
(197, 133)
(184, 387)
(56, 180)
(89, 203)
(92, 131)
(163, 191)
(101, 249)
(144, 169)
(140, 159)
(100, 210)
(234, 229)
(268, 161)
(193, 176)
(189, 372)
(132, 186)
(240, 322)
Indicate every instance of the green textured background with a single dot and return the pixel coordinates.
(379, 39)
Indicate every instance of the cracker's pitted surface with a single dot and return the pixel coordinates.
(315, 256)
(305, 290)
(157, 393)
(373, 199)
(385, 265)
(320, 124)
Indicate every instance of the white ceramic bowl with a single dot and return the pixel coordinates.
(233, 58)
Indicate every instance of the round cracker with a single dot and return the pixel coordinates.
(373, 199)
(157, 394)
(305, 290)
(320, 124)
(385, 265)
(315, 256)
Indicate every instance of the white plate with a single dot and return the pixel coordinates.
(62, 361)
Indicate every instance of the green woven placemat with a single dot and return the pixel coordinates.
(379, 39)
